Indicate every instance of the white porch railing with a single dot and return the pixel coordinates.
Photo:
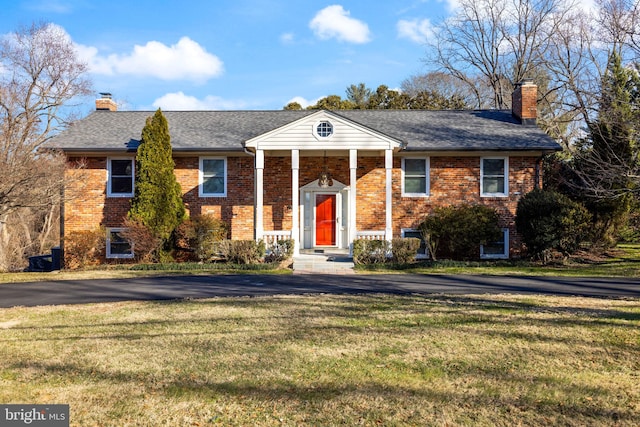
(270, 238)
(370, 235)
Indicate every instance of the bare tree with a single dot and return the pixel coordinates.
(41, 78)
(619, 25)
(438, 82)
(497, 43)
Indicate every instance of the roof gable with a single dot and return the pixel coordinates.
(301, 134)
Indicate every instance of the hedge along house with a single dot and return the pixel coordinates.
(323, 178)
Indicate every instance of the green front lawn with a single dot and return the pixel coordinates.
(329, 360)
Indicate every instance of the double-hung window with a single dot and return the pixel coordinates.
(494, 176)
(117, 245)
(213, 177)
(415, 177)
(423, 251)
(120, 177)
(496, 250)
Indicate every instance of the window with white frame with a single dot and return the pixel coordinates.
(213, 177)
(494, 176)
(415, 177)
(324, 129)
(423, 251)
(120, 177)
(496, 250)
(117, 245)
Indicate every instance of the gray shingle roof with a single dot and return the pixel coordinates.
(228, 130)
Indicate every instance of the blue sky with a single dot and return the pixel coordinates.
(237, 54)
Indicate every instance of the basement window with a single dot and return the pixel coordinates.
(496, 250)
(423, 251)
(117, 245)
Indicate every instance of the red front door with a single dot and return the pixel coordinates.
(325, 219)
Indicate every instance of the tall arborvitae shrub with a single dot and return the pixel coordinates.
(157, 202)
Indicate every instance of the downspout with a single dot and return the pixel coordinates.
(536, 180)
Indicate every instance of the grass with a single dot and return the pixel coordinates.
(126, 271)
(622, 262)
(329, 360)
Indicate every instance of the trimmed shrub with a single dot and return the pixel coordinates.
(404, 250)
(548, 221)
(201, 236)
(281, 251)
(242, 251)
(370, 251)
(84, 248)
(458, 231)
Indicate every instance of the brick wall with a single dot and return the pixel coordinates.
(236, 209)
(86, 206)
(454, 180)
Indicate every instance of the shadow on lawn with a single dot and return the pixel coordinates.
(546, 398)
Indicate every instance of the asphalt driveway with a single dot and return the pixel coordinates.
(180, 287)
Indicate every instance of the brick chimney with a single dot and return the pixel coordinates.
(105, 103)
(524, 102)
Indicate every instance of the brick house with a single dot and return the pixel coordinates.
(323, 178)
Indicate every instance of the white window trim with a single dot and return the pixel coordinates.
(108, 242)
(201, 192)
(426, 249)
(506, 177)
(504, 255)
(427, 161)
(133, 175)
(320, 137)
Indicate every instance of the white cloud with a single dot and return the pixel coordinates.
(452, 5)
(415, 30)
(185, 60)
(287, 38)
(335, 22)
(178, 101)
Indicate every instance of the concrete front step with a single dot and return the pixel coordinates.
(322, 264)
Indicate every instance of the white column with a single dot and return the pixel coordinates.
(259, 199)
(295, 200)
(353, 169)
(388, 164)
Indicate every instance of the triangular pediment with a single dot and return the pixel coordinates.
(323, 130)
(315, 186)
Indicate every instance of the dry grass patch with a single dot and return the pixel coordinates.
(329, 360)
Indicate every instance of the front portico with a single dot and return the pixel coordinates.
(324, 210)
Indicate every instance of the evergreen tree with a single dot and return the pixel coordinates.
(607, 164)
(359, 95)
(157, 202)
